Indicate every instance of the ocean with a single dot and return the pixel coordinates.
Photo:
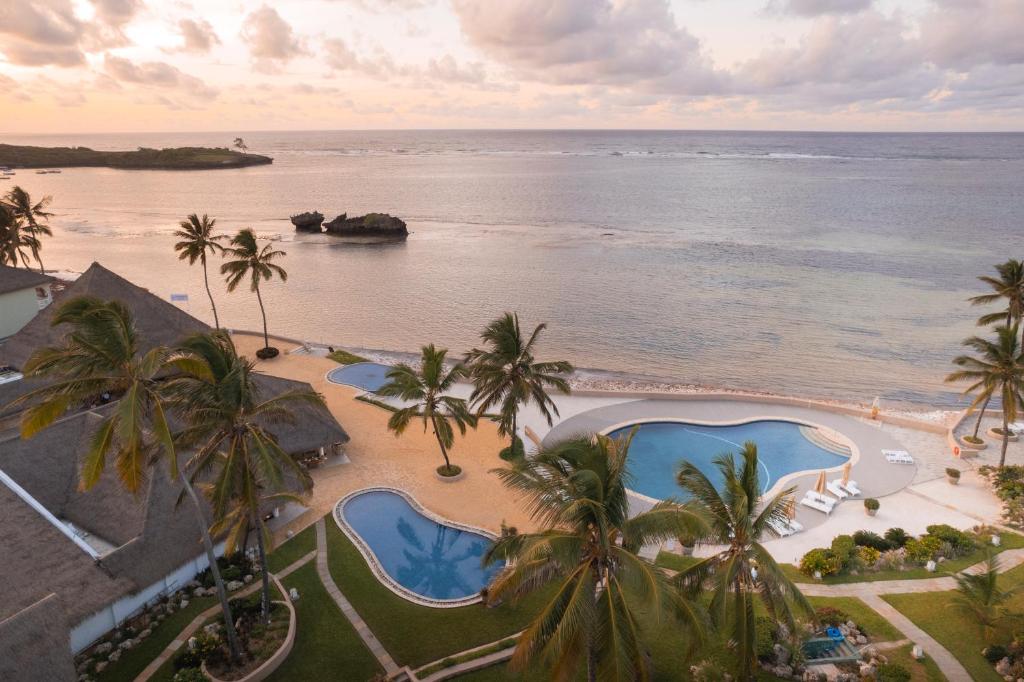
(813, 264)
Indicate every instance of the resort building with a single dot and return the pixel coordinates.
(23, 293)
(78, 563)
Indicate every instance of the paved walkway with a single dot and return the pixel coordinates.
(206, 615)
(370, 639)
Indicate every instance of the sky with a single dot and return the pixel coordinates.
(71, 66)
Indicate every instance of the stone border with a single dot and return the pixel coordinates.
(374, 563)
(776, 487)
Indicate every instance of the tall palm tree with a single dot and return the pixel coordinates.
(227, 424)
(979, 597)
(1008, 287)
(743, 570)
(34, 216)
(425, 389)
(16, 243)
(996, 367)
(197, 239)
(588, 548)
(505, 374)
(101, 354)
(253, 262)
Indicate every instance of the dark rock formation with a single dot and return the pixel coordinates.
(369, 225)
(308, 222)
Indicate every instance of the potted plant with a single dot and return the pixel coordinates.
(971, 442)
(871, 506)
(686, 545)
(952, 475)
(997, 432)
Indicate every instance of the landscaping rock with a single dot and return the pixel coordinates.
(126, 644)
(114, 656)
(917, 652)
(198, 592)
(868, 670)
(860, 639)
(212, 628)
(235, 585)
(783, 671)
(104, 648)
(101, 666)
(781, 654)
(145, 633)
(184, 603)
(1003, 667)
(248, 578)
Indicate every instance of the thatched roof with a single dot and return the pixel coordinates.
(34, 644)
(16, 279)
(312, 427)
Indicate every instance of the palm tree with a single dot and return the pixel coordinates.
(240, 145)
(426, 389)
(196, 239)
(979, 598)
(997, 366)
(1008, 286)
(505, 374)
(257, 264)
(227, 422)
(16, 243)
(744, 569)
(587, 547)
(101, 355)
(20, 204)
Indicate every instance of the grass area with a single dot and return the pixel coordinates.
(290, 551)
(1008, 541)
(874, 626)
(472, 656)
(674, 562)
(343, 357)
(326, 645)
(925, 670)
(416, 635)
(133, 661)
(377, 403)
(932, 613)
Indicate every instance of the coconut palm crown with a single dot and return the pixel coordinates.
(426, 389)
(34, 215)
(587, 550)
(197, 239)
(1007, 288)
(16, 242)
(743, 570)
(505, 374)
(255, 263)
(997, 367)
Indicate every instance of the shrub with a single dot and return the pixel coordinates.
(953, 473)
(820, 560)
(190, 675)
(868, 556)
(764, 637)
(829, 615)
(513, 452)
(994, 653)
(231, 573)
(871, 503)
(844, 549)
(924, 549)
(898, 537)
(962, 542)
(890, 672)
(890, 560)
(866, 538)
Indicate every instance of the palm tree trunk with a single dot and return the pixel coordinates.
(977, 424)
(444, 451)
(264, 569)
(266, 337)
(222, 593)
(515, 434)
(1006, 438)
(206, 281)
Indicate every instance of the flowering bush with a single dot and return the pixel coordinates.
(820, 560)
(868, 556)
(924, 549)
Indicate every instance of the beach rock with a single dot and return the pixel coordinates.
(369, 225)
(308, 222)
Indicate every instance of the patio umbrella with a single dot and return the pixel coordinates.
(819, 486)
(791, 509)
(846, 473)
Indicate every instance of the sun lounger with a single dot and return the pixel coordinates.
(1016, 427)
(780, 528)
(836, 489)
(815, 503)
(898, 457)
(851, 487)
(824, 499)
(795, 525)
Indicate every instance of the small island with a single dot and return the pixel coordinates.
(174, 158)
(378, 225)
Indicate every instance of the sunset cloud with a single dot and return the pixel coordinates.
(270, 39)
(197, 35)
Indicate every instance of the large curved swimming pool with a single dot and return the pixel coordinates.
(423, 559)
(658, 448)
(369, 376)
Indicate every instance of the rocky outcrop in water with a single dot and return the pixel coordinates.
(308, 222)
(369, 225)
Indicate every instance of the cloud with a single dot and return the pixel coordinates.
(270, 38)
(40, 32)
(116, 12)
(960, 34)
(621, 43)
(814, 8)
(156, 74)
(340, 57)
(197, 35)
(448, 70)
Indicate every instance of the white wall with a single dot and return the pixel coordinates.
(16, 309)
(102, 622)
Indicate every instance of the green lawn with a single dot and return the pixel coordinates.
(1008, 541)
(292, 550)
(924, 670)
(874, 626)
(416, 635)
(673, 561)
(343, 357)
(326, 645)
(932, 613)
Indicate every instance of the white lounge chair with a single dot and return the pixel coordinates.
(1016, 427)
(824, 499)
(898, 457)
(780, 528)
(795, 525)
(814, 501)
(836, 489)
(851, 487)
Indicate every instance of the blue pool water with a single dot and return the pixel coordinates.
(428, 558)
(369, 376)
(658, 448)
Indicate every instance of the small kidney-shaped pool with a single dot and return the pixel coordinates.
(369, 376)
(658, 448)
(420, 557)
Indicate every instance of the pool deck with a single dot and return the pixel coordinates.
(875, 476)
